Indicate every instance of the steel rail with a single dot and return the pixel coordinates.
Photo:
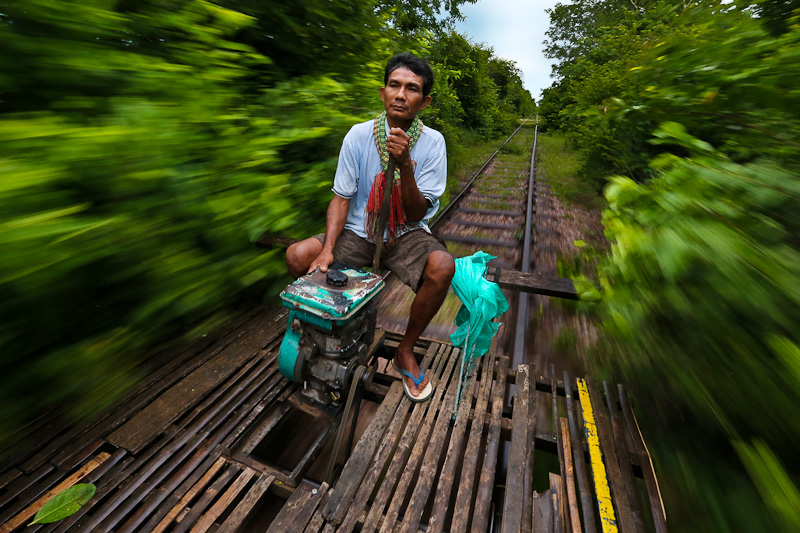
(523, 309)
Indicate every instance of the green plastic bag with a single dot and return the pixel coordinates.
(481, 300)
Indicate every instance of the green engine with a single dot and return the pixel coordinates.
(331, 325)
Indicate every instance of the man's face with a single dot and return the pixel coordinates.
(402, 96)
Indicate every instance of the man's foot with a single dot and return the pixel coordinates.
(405, 360)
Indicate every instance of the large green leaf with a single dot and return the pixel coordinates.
(65, 504)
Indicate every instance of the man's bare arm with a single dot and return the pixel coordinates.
(337, 216)
(414, 203)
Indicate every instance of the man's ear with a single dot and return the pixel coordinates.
(383, 94)
(425, 101)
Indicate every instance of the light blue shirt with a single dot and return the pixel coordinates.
(359, 163)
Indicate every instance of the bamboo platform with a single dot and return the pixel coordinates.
(188, 449)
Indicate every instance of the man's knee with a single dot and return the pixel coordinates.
(440, 268)
(300, 255)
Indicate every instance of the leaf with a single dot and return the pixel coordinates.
(65, 504)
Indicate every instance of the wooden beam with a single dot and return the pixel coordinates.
(275, 241)
(534, 283)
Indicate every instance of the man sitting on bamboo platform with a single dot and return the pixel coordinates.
(418, 258)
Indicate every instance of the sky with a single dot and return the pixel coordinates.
(515, 29)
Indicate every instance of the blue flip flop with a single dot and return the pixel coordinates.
(424, 394)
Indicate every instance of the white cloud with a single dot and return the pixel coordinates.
(515, 29)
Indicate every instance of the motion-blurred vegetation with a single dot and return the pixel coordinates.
(696, 103)
(145, 146)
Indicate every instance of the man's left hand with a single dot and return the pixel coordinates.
(397, 143)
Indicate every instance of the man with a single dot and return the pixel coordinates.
(418, 258)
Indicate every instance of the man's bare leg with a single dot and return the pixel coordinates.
(300, 255)
(439, 271)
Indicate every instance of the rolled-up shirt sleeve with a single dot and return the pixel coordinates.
(345, 183)
(432, 173)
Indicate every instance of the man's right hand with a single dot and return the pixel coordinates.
(323, 261)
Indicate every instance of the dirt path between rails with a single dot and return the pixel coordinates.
(561, 333)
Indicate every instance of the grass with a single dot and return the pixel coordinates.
(562, 166)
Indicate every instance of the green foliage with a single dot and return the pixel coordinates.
(701, 299)
(696, 104)
(488, 90)
(64, 504)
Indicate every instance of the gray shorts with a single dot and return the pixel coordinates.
(407, 258)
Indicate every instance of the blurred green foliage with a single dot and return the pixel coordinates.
(146, 145)
(696, 104)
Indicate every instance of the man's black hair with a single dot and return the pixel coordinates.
(416, 65)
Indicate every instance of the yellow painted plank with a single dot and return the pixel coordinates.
(607, 518)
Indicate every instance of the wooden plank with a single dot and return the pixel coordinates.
(219, 507)
(140, 395)
(23, 486)
(446, 480)
(463, 505)
(557, 498)
(252, 374)
(297, 511)
(559, 444)
(151, 364)
(190, 495)
(35, 434)
(608, 520)
(215, 424)
(214, 413)
(243, 509)
(534, 283)
(106, 478)
(648, 471)
(187, 520)
(8, 476)
(151, 420)
(155, 463)
(354, 470)
(571, 495)
(250, 411)
(119, 505)
(471, 239)
(621, 452)
(527, 487)
(497, 196)
(182, 480)
(399, 466)
(316, 524)
(542, 513)
(80, 455)
(480, 518)
(427, 427)
(433, 453)
(621, 493)
(27, 514)
(383, 456)
(105, 485)
(317, 521)
(512, 505)
(498, 212)
(487, 225)
(578, 459)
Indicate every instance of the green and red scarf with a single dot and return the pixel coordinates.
(397, 218)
